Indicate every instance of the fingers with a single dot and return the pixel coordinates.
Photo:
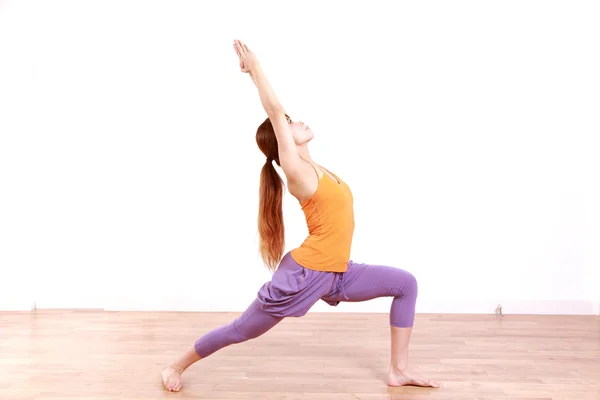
(243, 53)
(238, 49)
(241, 48)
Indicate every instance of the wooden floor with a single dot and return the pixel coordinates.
(67, 355)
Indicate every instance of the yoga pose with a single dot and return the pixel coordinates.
(320, 268)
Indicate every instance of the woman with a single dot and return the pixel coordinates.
(319, 269)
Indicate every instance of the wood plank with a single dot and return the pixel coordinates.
(93, 355)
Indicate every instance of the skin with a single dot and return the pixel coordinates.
(295, 160)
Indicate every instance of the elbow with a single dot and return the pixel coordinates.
(275, 110)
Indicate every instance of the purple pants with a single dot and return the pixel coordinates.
(293, 290)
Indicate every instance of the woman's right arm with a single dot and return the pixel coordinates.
(289, 159)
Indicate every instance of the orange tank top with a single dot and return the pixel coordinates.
(330, 218)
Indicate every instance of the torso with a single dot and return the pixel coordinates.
(329, 214)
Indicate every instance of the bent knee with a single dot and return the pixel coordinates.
(408, 284)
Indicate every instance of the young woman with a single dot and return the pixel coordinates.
(319, 269)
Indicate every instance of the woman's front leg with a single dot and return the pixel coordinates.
(364, 282)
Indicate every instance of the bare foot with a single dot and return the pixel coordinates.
(171, 378)
(397, 377)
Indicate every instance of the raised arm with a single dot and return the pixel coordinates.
(289, 159)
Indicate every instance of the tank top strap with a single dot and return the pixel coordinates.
(318, 171)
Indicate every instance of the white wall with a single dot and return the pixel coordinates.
(468, 132)
(593, 255)
(18, 227)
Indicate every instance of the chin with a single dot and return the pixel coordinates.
(303, 137)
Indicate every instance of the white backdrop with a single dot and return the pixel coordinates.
(467, 130)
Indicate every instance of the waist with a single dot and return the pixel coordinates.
(330, 253)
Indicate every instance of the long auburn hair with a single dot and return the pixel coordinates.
(270, 208)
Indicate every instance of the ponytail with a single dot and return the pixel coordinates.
(270, 216)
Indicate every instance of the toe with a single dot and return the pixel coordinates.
(430, 383)
(421, 382)
(176, 386)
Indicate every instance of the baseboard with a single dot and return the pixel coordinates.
(538, 307)
(426, 306)
(17, 305)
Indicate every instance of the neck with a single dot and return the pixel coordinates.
(304, 153)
